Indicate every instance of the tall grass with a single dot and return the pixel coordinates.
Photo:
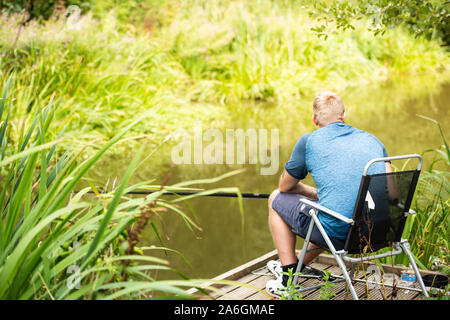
(430, 227)
(428, 230)
(59, 243)
(186, 58)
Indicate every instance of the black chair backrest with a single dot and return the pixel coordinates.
(379, 213)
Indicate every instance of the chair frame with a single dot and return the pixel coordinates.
(341, 255)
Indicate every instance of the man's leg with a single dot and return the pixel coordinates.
(284, 239)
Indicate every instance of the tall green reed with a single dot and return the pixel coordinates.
(428, 230)
(59, 243)
(430, 226)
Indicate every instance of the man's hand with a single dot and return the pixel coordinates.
(289, 184)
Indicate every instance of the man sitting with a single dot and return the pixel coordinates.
(335, 155)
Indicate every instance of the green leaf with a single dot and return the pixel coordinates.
(111, 208)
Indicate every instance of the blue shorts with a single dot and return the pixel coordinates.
(296, 215)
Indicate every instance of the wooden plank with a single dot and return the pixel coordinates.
(260, 296)
(340, 286)
(336, 288)
(380, 293)
(344, 292)
(246, 268)
(241, 270)
(309, 283)
(244, 293)
(375, 292)
(388, 268)
(229, 288)
(303, 281)
(312, 281)
(360, 289)
(255, 273)
(403, 294)
(241, 293)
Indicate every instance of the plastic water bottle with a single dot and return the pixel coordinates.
(408, 278)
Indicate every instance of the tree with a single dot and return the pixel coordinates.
(422, 18)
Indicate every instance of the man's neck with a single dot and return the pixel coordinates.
(324, 125)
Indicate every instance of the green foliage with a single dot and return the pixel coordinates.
(291, 287)
(42, 9)
(127, 11)
(186, 60)
(422, 18)
(58, 243)
(292, 293)
(428, 229)
(439, 294)
(325, 290)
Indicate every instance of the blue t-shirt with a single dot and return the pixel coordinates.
(335, 156)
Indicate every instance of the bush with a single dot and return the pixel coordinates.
(422, 18)
(42, 9)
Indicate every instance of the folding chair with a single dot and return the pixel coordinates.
(379, 216)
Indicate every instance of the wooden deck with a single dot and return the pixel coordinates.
(255, 274)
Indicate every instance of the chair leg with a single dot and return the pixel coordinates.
(332, 249)
(303, 252)
(405, 247)
(336, 256)
(347, 277)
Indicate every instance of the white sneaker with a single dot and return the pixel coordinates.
(274, 266)
(275, 288)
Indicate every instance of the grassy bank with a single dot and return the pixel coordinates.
(182, 61)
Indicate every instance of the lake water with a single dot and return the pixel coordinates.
(388, 111)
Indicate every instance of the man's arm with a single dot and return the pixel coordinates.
(295, 170)
(289, 184)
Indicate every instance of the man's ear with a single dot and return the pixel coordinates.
(343, 116)
(315, 120)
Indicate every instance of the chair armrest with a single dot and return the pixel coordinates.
(327, 211)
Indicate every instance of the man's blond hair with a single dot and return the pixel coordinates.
(328, 107)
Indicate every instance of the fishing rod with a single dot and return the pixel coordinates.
(216, 194)
(248, 195)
